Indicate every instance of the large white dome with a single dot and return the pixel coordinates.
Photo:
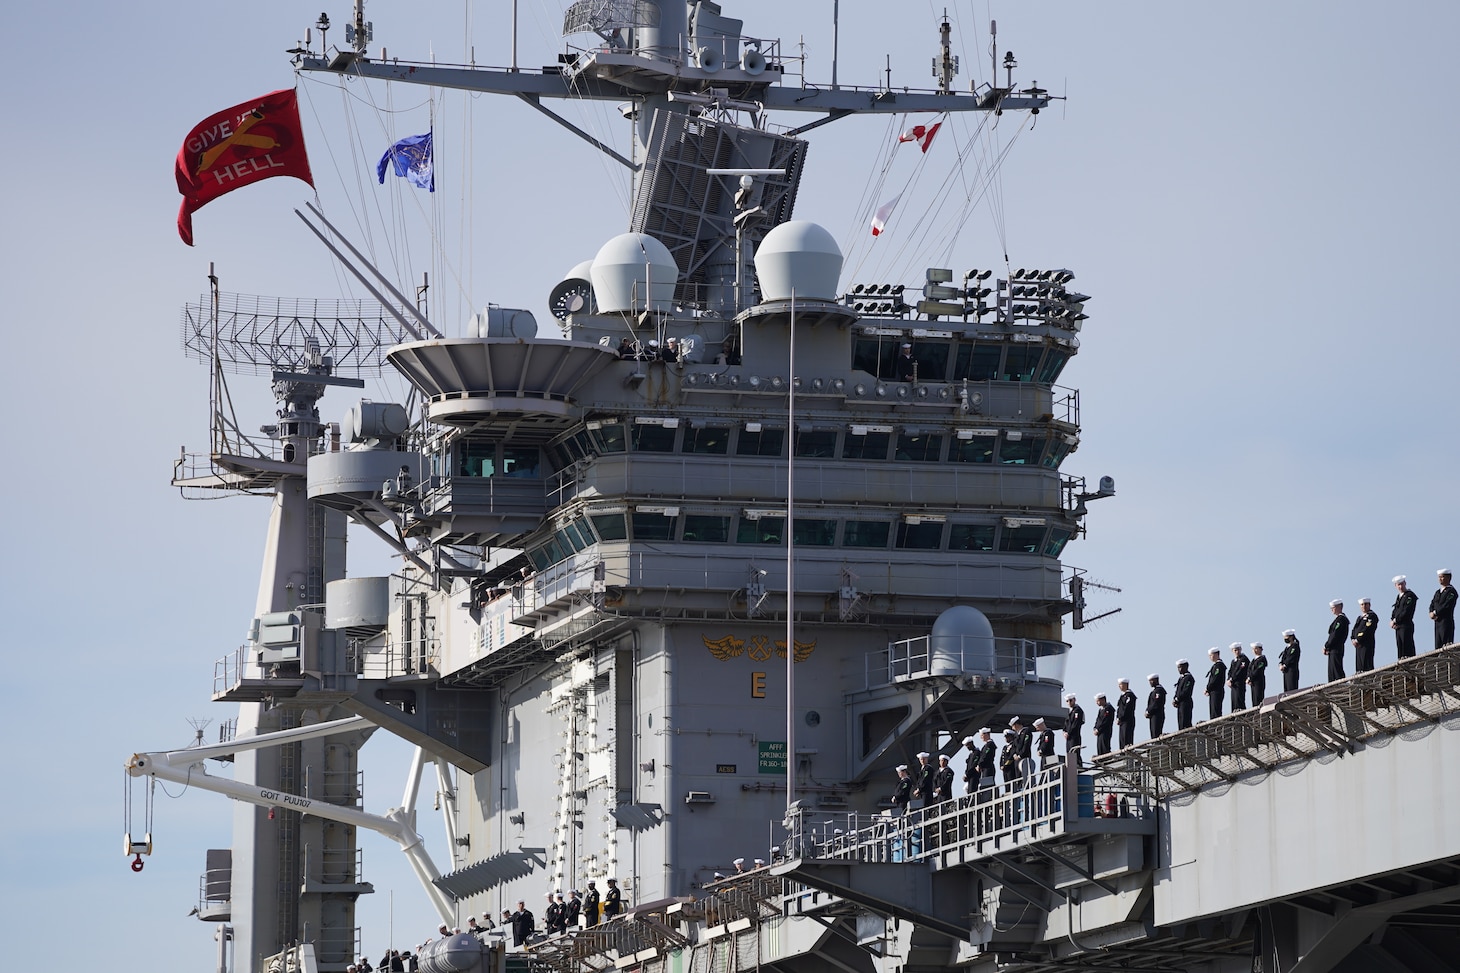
(798, 256)
(629, 267)
(962, 640)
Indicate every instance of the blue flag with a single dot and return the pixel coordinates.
(411, 157)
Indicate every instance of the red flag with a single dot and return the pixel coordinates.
(236, 147)
(923, 135)
(883, 214)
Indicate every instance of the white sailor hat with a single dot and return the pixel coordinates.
(907, 344)
(1400, 579)
(986, 730)
(1214, 651)
(1152, 676)
(942, 758)
(1336, 603)
(1443, 573)
(1099, 695)
(1039, 721)
(574, 892)
(923, 755)
(968, 740)
(759, 862)
(1182, 662)
(1365, 601)
(1235, 645)
(718, 876)
(1288, 633)
(1008, 733)
(1070, 696)
(1122, 681)
(1015, 721)
(738, 861)
(899, 767)
(1255, 645)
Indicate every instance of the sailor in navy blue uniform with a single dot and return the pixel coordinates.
(1216, 689)
(1237, 677)
(942, 781)
(1289, 658)
(1181, 701)
(1337, 636)
(1074, 723)
(1442, 610)
(1401, 617)
(1156, 705)
(1044, 747)
(1257, 674)
(1362, 635)
(923, 779)
(1104, 724)
(983, 761)
(902, 796)
(1125, 714)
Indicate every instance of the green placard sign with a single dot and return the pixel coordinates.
(772, 757)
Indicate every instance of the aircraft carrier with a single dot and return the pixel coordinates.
(692, 558)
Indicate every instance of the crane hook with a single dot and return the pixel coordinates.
(138, 863)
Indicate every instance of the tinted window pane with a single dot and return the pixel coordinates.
(1054, 363)
(866, 533)
(710, 530)
(922, 448)
(875, 356)
(609, 438)
(971, 537)
(872, 445)
(709, 439)
(932, 359)
(1020, 362)
(1021, 452)
(517, 461)
(767, 442)
(653, 527)
(538, 557)
(766, 530)
(816, 443)
(610, 527)
(1021, 540)
(1058, 450)
(478, 459)
(979, 449)
(650, 438)
(1056, 542)
(919, 537)
(977, 363)
(815, 533)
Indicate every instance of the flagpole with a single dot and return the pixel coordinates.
(791, 566)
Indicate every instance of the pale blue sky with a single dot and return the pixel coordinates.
(1259, 197)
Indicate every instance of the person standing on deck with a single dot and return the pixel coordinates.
(1237, 677)
(1125, 714)
(1442, 610)
(1288, 659)
(1216, 689)
(1185, 689)
(1337, 636)
(1362, 635)
(1156, 705)
(1257, 674)
(1401, 617)
(1104, 724)
(1074, 723)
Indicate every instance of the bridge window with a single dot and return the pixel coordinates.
(1020, 362)
(1054, 363)
(760, 442)
(762, 530)
(971, 537)
(867, 445)
(817, 443)
(977, 362)
(925, 536)
(478, 459)
(1021, 540)
(610, 527)
(706, 439)
(1024, 451)
(876, 356)
(654, 438)
(919, 447)
(932, 359)
(653, 527)
(814, 533)
(1058, 537)
(979, 449)
(609, 437)
(866, 533)
(1058, 450)
(706, 529)
(519, 461)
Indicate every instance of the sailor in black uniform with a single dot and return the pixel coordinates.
(1074, 723)
(907, 365)
(1366, 628)
(1185, 689)
(1023, 749)
(1289, 658)
(1009, 760)
(1257, 674)
(923, 780)
(1104, 724)
(613, 900)
(984, 760)
(572, 910)
(1401, 617)
(1044, 747)
(1125, 714)
(942, 781)
(1237, 677)
(1442, 610)
(970, 765)
(1216, 689)
(590, 905)
(902, 796)
(1337, 636)
(1156, 705)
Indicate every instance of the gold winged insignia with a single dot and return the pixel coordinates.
(803, 649)
(724, 648)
